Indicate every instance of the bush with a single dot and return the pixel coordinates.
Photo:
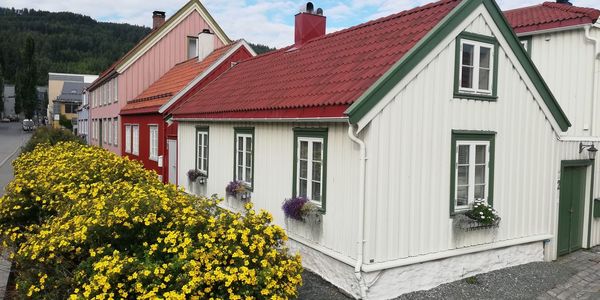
(86, 223)
(50, 137)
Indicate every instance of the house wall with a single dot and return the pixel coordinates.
(273, 176)
(144, 122)
(566, 60)
(153, 64)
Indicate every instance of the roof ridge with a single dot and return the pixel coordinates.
(522, 8)
(588, 11)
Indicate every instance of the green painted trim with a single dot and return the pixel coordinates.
(483, 39)
(470, 135)
(596, 208)
(581, 163)
(529, 40)
(243, 130)
(322, 133)
(392, 77)
(591, 212)
(207, 130)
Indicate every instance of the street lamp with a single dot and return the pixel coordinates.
(591, 150)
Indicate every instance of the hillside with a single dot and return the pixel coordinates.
(66, 42)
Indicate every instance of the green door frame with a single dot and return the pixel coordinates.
(579, 163)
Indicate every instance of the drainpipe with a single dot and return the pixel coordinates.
(595, 75)
(596, 42)
(360, 241)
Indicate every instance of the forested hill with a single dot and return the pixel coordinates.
(65, 42)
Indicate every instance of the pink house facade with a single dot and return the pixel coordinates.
(170, 42)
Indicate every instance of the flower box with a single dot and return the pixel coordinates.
(303, 210)
(197, 176)
(480, 216)
(240, 190)
(463, 222)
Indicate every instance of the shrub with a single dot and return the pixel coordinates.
(86, 223)
(50, 136)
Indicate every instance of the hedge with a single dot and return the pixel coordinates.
(83, 223)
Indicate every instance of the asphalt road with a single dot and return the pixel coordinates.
(12, 138)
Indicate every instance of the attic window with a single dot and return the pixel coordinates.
(477, 61)
(192, 46)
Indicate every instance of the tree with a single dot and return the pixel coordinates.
(1, 92)
(25, 87)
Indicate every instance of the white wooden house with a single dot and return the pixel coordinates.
(393, 128)
(564, 43)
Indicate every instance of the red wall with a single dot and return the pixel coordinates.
(144, 156)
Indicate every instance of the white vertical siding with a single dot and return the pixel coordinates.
(566, 60)
(409, 144)
(273, 177)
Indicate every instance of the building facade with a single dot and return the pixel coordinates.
(65, 95)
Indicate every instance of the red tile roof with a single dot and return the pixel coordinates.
(550, 15)
(322, 77)
(172, 83)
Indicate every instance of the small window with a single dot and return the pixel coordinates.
(154, 142)
(472, 168)
(116, 90)
(110, 130)
(526, 43)
(476, 66)
(104, 131)
(202, 149)
(127, 138)
(116, 131)
(192, 47)
(135, 132)
(244, 155)
(310, 164)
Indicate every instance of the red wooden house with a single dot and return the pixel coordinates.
(147, 134)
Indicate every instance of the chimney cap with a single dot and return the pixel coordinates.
(564, 2)
(158, 13)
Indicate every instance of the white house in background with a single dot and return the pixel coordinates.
(393, 127)
(564, 43)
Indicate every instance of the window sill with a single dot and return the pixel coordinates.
(463, 95)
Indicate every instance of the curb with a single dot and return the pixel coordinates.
(12, 154)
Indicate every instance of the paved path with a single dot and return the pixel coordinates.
(585, 284)
(11, 139)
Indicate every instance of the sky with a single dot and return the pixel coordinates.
(268, 22)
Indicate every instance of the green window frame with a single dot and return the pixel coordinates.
(246, 161)
(311, 137)
(477, 43)
(202, 149)
(474, 140)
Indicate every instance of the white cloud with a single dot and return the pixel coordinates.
(267, 22)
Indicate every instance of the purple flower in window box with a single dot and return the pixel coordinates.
(301, 209)
(238, 188)
(195, 174)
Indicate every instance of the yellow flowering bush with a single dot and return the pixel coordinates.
(86, 224)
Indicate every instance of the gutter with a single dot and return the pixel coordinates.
(266, 120)
(553, 30)
(360, 241)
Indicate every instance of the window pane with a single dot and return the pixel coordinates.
(302, 188)
(240, 143)
(480, 153)
(462, 195)
(467, 55)
(248, 175)
(248, 144)
(463, 154)
(480, 174)
(249, 159)
(484, 57)
(205, 152)
(480, 192)
(463, 175)
(303, 169)
(304, 150)
(317, 148)
(467, 77)
(316, 191)
(239, 173)
(316, 171)
(240, 158)
(484, 79)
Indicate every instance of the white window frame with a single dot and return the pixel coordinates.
(135, 136)
(116, 88)
(153, 132)
(116, 131)
(476, 68)
(471, 180)
(127, 138)
(189, 39)
(110, 131)
(245, 163)
(309, 172)
(104, 132)
(201, 143)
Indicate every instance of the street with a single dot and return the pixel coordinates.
(11, 139)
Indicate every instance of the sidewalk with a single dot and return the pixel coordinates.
(585, 284)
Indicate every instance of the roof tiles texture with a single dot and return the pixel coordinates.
(550, 15)
(174, 81)
(322, 77)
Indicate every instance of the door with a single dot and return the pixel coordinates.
(100, 133)
(571, 209)
(172, 145)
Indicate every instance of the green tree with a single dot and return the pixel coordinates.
(25, 87)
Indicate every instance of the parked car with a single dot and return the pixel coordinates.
(13, 118)
(5, 120)
(28, 125)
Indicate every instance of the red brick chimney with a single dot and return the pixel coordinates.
(310, 24)
(158, 18)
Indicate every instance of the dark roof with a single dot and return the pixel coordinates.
(550, 15)
(72, 92)
(321, 78)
